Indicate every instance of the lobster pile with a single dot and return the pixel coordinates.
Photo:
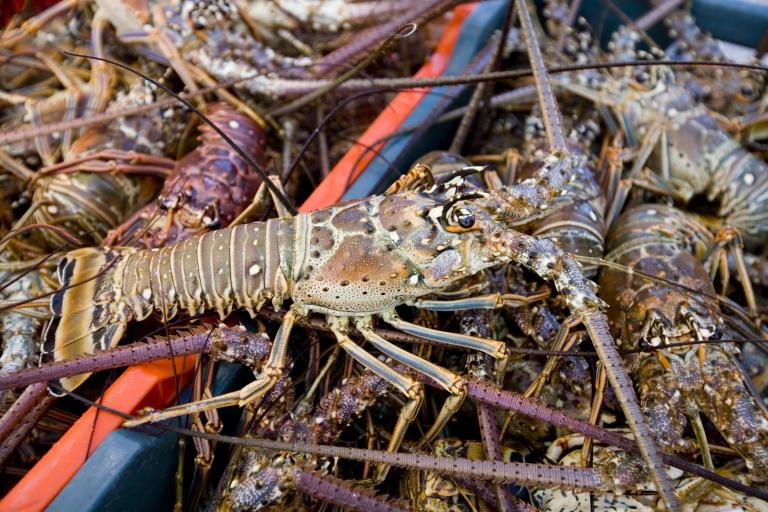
(565, 310)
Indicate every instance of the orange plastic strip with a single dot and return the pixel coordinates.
(145, 385)
(332, 188)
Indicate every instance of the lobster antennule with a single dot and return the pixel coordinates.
(81, 319)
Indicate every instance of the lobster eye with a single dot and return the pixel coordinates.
(464, 218)
(746, 90)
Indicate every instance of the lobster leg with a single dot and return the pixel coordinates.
(258, 203)
(42, 143)
(701, 436)
(34, 24)
(204, 448)
(13, 166)
(494, 348)
(616, 189)
(728, 242)
(269, 376)
(282, 211)
(412, 389)
(565, 341)
(100, 83)
(594, 416)
(649, 144)
(490, 301)
(104, 161)
(451, 382)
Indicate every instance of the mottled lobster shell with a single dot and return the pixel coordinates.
(207, 189)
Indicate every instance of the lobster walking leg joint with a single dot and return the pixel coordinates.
(412, 389)
(496, 349)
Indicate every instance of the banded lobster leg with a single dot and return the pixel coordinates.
(412, 389)
(728, 243)
(79, 100)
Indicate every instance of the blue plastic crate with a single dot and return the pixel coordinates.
(134, 469)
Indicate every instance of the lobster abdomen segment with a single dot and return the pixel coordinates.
(103, 289)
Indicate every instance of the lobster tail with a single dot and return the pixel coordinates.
(83, 310)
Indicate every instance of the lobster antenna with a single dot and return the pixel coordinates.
(553, 121)
(596, 324)
(295, 447)
(245, 156)
(412, 83)
(28, 132)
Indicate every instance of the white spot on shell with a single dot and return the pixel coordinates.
(749, 178)
(234, 124)
(255, 269)
(146, 293)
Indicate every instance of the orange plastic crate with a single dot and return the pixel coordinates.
(145, 385)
